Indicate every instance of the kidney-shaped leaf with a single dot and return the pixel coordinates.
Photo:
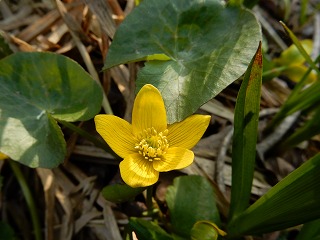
(206, 230)
(206, 47)
(36, 89)
(191, 199)
(120, 192)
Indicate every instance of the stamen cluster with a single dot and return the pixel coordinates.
(152, 145)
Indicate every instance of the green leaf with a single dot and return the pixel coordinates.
(205, 230)
(310, 231)
(37, 88)
(309, 129)
(191, 199)
(6, 232)
(298, 100)
(300, 48)
(301, 98)
(4, 47)
(148, 230)
(292, 55)
(235, 2)
(208, 45)
(293, 201)
(120, 192)
(250, 3)
(292, 62)
(245, 136)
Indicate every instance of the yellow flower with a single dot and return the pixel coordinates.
(150, 145)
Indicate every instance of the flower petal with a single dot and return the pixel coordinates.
(186, 134)
(117, 133)
(148, 110)
(175, 158)
(137, 171)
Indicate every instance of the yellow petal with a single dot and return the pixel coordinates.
(148, 110)
(187, 133)
(175, 158)
(137, 171)
(3, 156)
(117, 133)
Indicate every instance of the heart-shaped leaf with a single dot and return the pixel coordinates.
(36, 89)
(208, 46)
(120, 192)
(206, 230)
(191, 199)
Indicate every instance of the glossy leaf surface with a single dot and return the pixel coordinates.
(148, 230)
(191, 199)
(120, 192)
(36, 89)
(245, 136)
(293, 201)
(202, 46)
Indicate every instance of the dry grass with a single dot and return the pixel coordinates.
(69, 200)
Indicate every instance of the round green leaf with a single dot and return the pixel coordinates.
(191, 199)
(36, 89)
(208, 46)
(120, 192)
(203, 231)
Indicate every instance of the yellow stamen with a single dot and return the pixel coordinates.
(152, 145)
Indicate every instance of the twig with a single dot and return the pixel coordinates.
(266, 25)
(220, 160)
(275, 136)
(131, 86)
(316, 37)
(87, 135)
(109, 219)
(47, 180)
(102, 10)
(129, 7)
(85, 55)
(268, 111)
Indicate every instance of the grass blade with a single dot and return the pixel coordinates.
(245, 136)
(293, 201)
(300, 47)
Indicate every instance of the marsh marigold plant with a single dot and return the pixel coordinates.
(149, 145)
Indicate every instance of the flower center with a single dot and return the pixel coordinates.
(153, 145)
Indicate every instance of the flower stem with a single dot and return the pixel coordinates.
(149, 200)
(29, 199)
(87, 135)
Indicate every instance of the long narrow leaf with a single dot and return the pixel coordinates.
(301, 101)
(300, 47)
(293, 201)
(309, 129)
(310, 231)
(245, 136)
(302, 82)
